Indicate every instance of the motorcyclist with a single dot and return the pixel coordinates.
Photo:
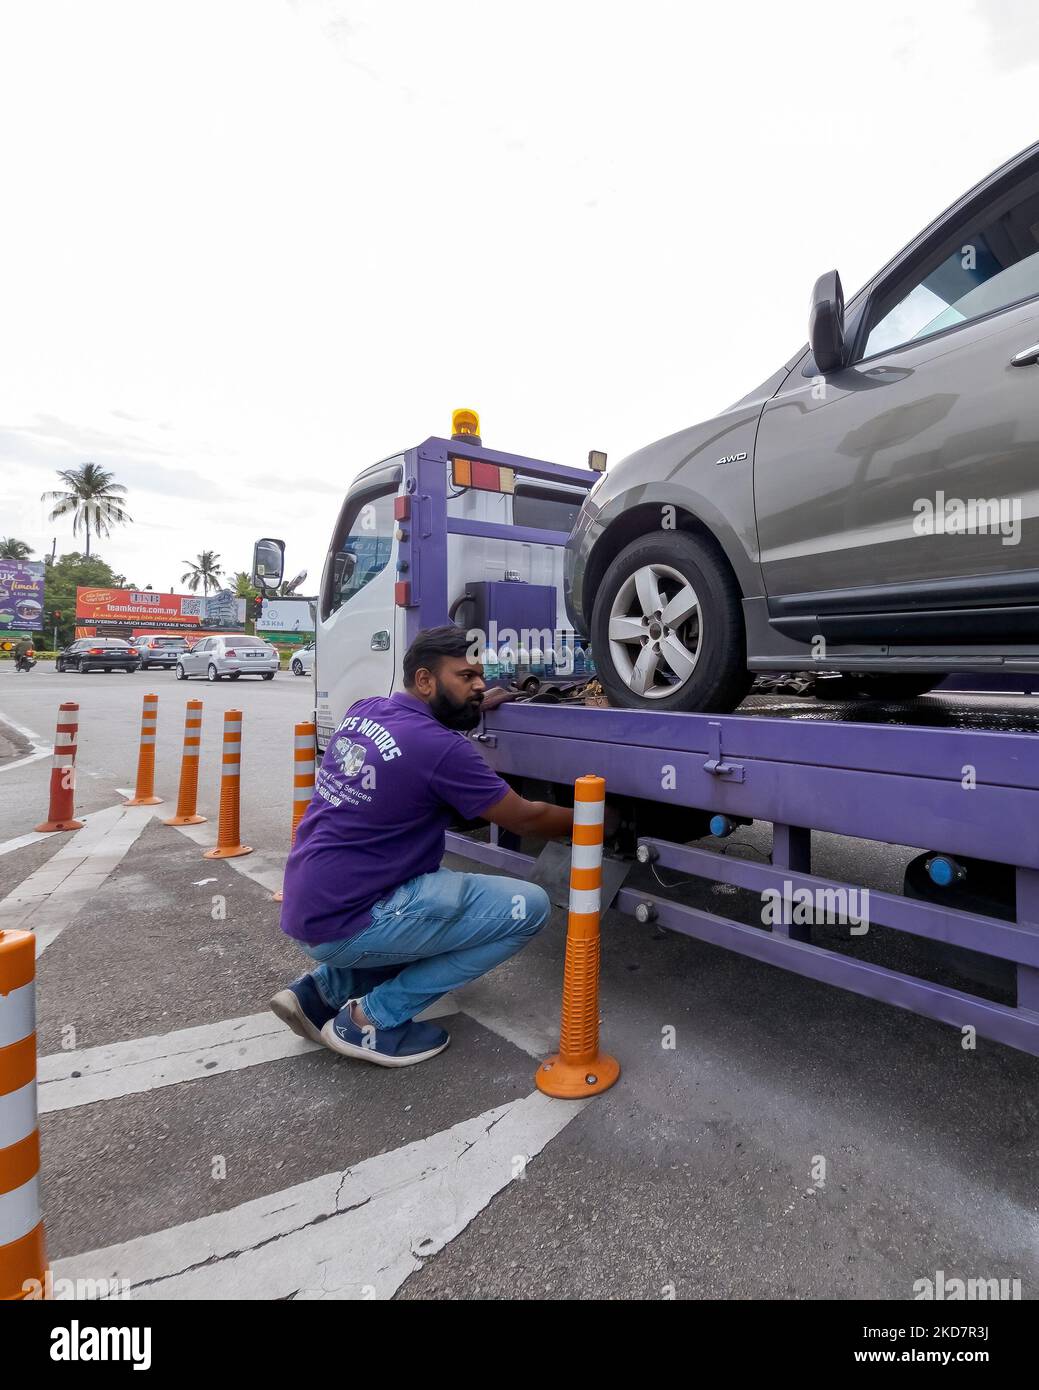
(24, 654)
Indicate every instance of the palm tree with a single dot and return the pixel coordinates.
(205, 570)
(244, 586)
(10, 549)
(95, 501)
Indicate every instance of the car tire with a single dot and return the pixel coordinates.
(212, 673)
(59, 668)
(710, 671)
(268, 675)
(84, 668)
(297, 667)
(180, 673)
(233, 675)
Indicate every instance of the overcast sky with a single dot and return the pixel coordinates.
(250, 246)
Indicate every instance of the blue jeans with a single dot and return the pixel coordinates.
(433, 933)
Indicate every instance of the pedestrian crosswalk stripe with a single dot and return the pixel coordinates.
(356, 1234)
(48, 900)
(136, 1065)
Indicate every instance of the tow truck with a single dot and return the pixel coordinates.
(958, 781)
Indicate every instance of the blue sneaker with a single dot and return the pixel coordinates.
(301, 1006)
(402, 1046)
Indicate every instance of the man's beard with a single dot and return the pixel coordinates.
(462, 716)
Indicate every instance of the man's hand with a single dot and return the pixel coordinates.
(496, 696)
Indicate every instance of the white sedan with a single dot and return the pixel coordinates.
(302, 663)
(233, 656)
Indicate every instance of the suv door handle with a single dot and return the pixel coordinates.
(1028, 357)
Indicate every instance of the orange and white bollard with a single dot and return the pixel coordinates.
(187, 792)
(61, 815)
(23, 1256)
(144, 795)
(228, 838)
(579, 1068)
(304, 756)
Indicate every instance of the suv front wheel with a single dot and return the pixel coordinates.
(667, 627)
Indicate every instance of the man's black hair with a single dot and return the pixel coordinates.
(432, 645)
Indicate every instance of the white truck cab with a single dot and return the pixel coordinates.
(360, 627)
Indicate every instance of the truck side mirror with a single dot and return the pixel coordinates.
(268, 563)
(826, 323)
(344, 565)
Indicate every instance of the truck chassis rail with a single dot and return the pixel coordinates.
(958, 791)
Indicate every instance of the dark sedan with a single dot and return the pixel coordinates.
(98, 654)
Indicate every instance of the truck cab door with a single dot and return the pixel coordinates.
(356, 644)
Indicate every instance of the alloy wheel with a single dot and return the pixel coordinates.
(655, 632)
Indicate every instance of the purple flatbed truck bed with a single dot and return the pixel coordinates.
(953, 781)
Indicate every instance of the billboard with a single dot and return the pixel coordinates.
(286, 615)
(145, 608)
(21, 595)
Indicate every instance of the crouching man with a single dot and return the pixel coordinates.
(364, 891)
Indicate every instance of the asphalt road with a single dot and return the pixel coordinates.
(109, 722)
(194, 1153)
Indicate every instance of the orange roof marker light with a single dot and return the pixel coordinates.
(465, 424)
(474, 473)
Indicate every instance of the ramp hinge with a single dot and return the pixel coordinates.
(728, 772)
(491, 740)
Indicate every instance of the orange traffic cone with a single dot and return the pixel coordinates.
(303, 779)
(63, 772)
(187, 792)
(144, 794)
(228, 838)
(579, 1068)
(23, 1255)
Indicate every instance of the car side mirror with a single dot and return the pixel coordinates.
(826, 323)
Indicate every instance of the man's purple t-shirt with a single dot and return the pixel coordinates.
(391, 781)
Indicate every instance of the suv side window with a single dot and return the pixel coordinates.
(988, 263)
(362, 546)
